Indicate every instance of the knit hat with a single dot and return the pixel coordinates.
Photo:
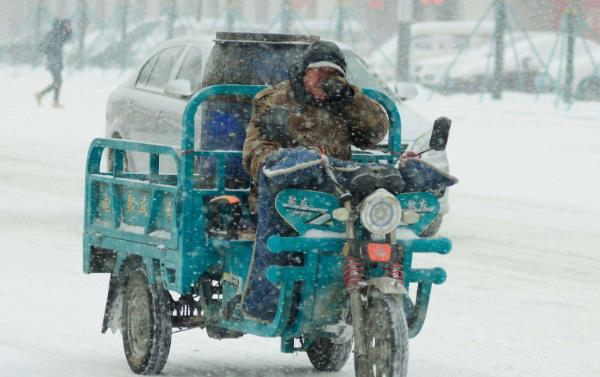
(324, 54)
(317, 54)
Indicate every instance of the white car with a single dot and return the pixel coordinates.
(149, 105)
(429, 40)
(471, 69)
(586, 70)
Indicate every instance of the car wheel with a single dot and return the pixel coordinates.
(110, 160)
(590, 90)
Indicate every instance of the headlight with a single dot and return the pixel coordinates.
(380, 212)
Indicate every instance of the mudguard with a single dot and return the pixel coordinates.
(112, 311)
(114, 299)
(387, 286)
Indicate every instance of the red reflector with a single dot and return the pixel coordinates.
(379, 252)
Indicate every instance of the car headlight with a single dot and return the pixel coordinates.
(380, 212)
(421, 143)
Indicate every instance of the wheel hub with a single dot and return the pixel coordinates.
(139, 323)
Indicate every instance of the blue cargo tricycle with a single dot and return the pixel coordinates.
(179, 248)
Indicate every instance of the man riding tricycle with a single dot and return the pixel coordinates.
(323, 257)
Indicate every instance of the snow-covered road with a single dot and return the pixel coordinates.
(523, 292)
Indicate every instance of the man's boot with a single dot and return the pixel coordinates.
(57, 105)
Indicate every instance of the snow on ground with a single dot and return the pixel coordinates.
(523, 290)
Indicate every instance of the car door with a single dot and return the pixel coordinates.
(149, 102)
(139, 116)
(172, 117)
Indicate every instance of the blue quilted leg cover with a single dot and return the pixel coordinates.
(261, 296)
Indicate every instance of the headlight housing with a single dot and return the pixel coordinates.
(380, 212)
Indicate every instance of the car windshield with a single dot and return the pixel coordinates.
(358, 74)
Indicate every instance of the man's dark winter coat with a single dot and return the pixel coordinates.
(331, 127)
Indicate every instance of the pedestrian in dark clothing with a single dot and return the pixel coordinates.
(52, 48)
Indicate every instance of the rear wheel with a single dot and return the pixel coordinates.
(386, 334)
(145, 324)
(327, 356)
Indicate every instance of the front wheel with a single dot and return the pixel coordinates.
(328, 356)
(386, 334)
(145, 324)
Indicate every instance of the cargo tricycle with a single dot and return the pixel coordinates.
(178, 248)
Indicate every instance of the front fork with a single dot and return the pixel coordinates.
(354, 280)
(358, 323)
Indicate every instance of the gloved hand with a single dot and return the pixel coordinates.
(274, 124)
(286, 157)
(337, 89)
(422, 176)
(292, 165)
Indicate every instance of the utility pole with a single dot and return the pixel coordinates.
(199, 6)
(124, 43)
(339, 25)
(498, 82)
(230, 15)
(286, 16)
(82, 26)
(570, 21)
(38, 19)
(405, 19)
(171, 17)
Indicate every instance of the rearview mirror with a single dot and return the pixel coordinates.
(439, 135)
(181, 88)
(405, 91)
